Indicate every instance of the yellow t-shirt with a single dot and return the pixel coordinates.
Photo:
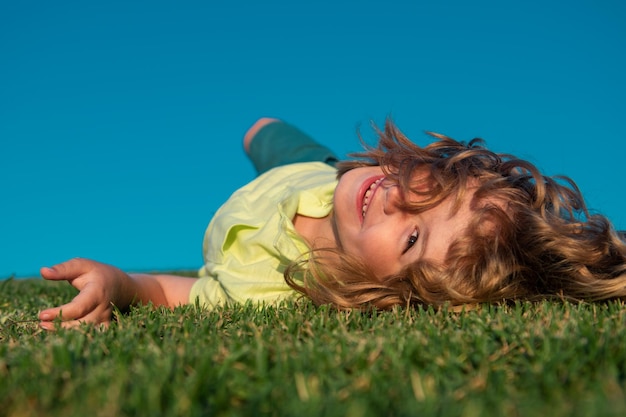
(251, 239)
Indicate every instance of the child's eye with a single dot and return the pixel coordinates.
(412, 240)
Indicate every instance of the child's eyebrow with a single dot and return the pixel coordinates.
(422, 243)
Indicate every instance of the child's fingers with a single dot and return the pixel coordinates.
(93, 302)
(63, 312)
(50, 322)
(81, 307)
(70, 324)
(67, 270)
(49, 273)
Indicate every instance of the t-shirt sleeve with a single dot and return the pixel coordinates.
(279, 143)
(210, 292)
(207, 291)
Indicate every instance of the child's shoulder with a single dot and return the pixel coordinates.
(299, 175)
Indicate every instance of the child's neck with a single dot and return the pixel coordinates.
(318, 232)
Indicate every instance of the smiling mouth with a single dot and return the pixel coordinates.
(368, 195)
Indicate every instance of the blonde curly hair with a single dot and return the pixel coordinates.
(532, 237)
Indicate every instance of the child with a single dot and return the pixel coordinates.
(398, 225)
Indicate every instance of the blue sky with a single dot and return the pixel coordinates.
(121, 121)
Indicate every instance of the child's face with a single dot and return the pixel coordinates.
(370, 225)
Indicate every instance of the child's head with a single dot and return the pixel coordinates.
(376, 220)
(455, 223)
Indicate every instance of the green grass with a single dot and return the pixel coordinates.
(555, 359)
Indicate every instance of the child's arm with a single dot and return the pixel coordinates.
(103, 286)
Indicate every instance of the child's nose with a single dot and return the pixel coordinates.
(393, 198)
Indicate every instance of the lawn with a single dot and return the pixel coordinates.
(546, 359)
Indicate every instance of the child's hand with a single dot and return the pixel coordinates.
(101, 286)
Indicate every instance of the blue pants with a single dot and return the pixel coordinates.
(279, 143)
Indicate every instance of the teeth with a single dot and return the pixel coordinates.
(368, 193)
